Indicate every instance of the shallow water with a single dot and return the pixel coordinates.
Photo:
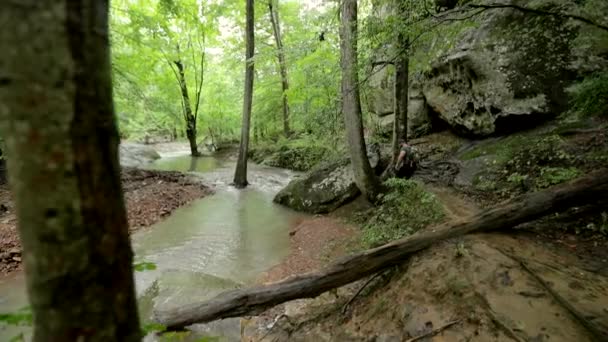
(219, 242)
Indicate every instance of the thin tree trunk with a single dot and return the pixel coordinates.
(240, 175)
(254, 300)
(402, 77)
(351, 104)
(276, 28)
(190, 119)
(57, 118)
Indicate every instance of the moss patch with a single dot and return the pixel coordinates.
(404, 210)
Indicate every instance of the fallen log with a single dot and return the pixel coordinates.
(254, 300)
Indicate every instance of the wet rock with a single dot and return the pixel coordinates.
(134, 155)
(322, 190)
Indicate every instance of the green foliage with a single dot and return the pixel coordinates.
(152, 328)
(556, 175)
(590, 97)
(21, 317)
(300, 154)
(144, 266)
(404, 210)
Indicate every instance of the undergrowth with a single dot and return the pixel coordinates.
(406, 208)
(300, 154)
(590, 97)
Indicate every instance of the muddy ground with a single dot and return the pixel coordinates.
(518, 286)
(545, 281)
(150, 196)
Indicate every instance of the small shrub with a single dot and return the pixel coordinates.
(404, 210)
(556, 175)
(590, 97)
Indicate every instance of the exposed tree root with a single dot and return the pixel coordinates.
(433, 332)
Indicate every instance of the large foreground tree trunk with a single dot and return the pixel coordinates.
(240, 175)
(251, 301)
(351, 104)
(189, 117)
(57, 118)
(276, 29)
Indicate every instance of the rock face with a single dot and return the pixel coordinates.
(509, 70)
(500, 71)
(321, 191)
(134, 155)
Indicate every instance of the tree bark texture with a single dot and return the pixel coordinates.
(365, 178)
(252, 301)
(190, 119)
(276, 29)
(57, 118)
(240, 175)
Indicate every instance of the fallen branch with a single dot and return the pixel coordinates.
(433, 332)
(255, 300)
(352, 299)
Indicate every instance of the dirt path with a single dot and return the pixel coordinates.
(457, 207)
(150, 196)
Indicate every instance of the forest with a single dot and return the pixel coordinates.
(321, 170)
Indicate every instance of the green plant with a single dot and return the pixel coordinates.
(590, 97)
(144, 266)
(517, 178)
(556, 175)
(21, 317)
(404, 209)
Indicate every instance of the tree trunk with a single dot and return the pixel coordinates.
(351, 105)
(190, 119)
(276, 28)
(57, 117)
(240, 175)
(402, 77)
(252, 301)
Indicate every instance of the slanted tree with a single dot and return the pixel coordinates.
(190, 117)
(57, 118)
(276, 29)
(365, 178)
(240, 174)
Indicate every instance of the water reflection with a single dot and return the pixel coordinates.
(215, 243)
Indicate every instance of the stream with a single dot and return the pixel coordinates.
(223, 241)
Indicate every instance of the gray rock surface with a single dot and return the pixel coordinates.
(322, 190)
(508, 73)
(134, 155)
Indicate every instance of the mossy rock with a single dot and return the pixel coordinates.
(322, 190)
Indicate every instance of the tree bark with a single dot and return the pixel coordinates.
(190, 119)
(251, 301)
(365, 178)
(240, 175)
(402, 78)
(276, 28)
(57, 117)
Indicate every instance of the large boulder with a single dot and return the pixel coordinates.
(322, 190)
(135, 155)
(508, 70)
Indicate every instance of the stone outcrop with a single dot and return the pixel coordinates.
(499, 71)
(134, 155)
(322, 190)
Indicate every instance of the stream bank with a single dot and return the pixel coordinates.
(150, 196)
